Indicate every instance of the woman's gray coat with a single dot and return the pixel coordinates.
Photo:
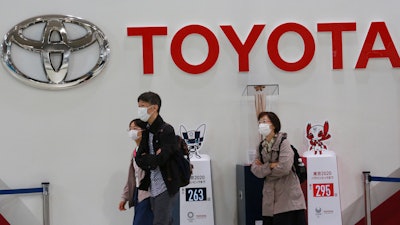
(282, 191)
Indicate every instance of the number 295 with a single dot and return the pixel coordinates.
(323, 190)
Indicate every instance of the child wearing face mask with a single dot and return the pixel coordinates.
(283, 200)
(140, 199)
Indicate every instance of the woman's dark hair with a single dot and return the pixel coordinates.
(151, 98)
(139, 123)
(273, 118)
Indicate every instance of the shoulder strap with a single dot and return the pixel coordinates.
(282, 139)
(260, 148)
(259, 151)
(291, 147)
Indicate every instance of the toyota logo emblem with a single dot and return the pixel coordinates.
(55, 51)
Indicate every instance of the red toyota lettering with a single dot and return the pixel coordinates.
(309, 47)
(368, 52)
(243, 50)
(337, 43)
(176, 49)
(147, 34)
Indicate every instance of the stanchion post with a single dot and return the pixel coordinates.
(367, 197)
(46, 206)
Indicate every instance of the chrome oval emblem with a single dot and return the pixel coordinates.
(55, 51)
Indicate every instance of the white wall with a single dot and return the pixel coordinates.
(76, 139)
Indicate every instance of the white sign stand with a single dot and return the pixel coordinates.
(196, 199)
(323, 189)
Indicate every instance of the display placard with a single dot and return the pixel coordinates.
(323, 189)
(196, 199)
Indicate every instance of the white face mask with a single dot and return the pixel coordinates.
(143, 115)
(134, 134)
(264, 129)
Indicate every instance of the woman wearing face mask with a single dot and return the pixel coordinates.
(140, 199)
(283, 200)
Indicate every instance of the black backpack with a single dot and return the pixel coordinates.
(298, 166)
(183, 162)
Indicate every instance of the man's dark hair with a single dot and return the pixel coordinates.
(152, 98)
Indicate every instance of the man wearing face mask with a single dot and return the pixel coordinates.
(155, 154)
(283, 200)
(140, 199)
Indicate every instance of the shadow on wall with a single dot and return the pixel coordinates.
(14, 210)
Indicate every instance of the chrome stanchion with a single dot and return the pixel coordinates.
(45, 195)
(46, 206)
(367, 197)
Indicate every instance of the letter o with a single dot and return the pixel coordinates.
(176, 49)
(309, 47)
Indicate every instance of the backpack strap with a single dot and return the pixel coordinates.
(291, 147)
(282, 139)
(260, 148)
(260, 151)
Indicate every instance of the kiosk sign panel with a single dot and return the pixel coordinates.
(196, 199)
(323, 189)
(322, 178)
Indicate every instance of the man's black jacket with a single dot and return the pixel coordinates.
(164, 139)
